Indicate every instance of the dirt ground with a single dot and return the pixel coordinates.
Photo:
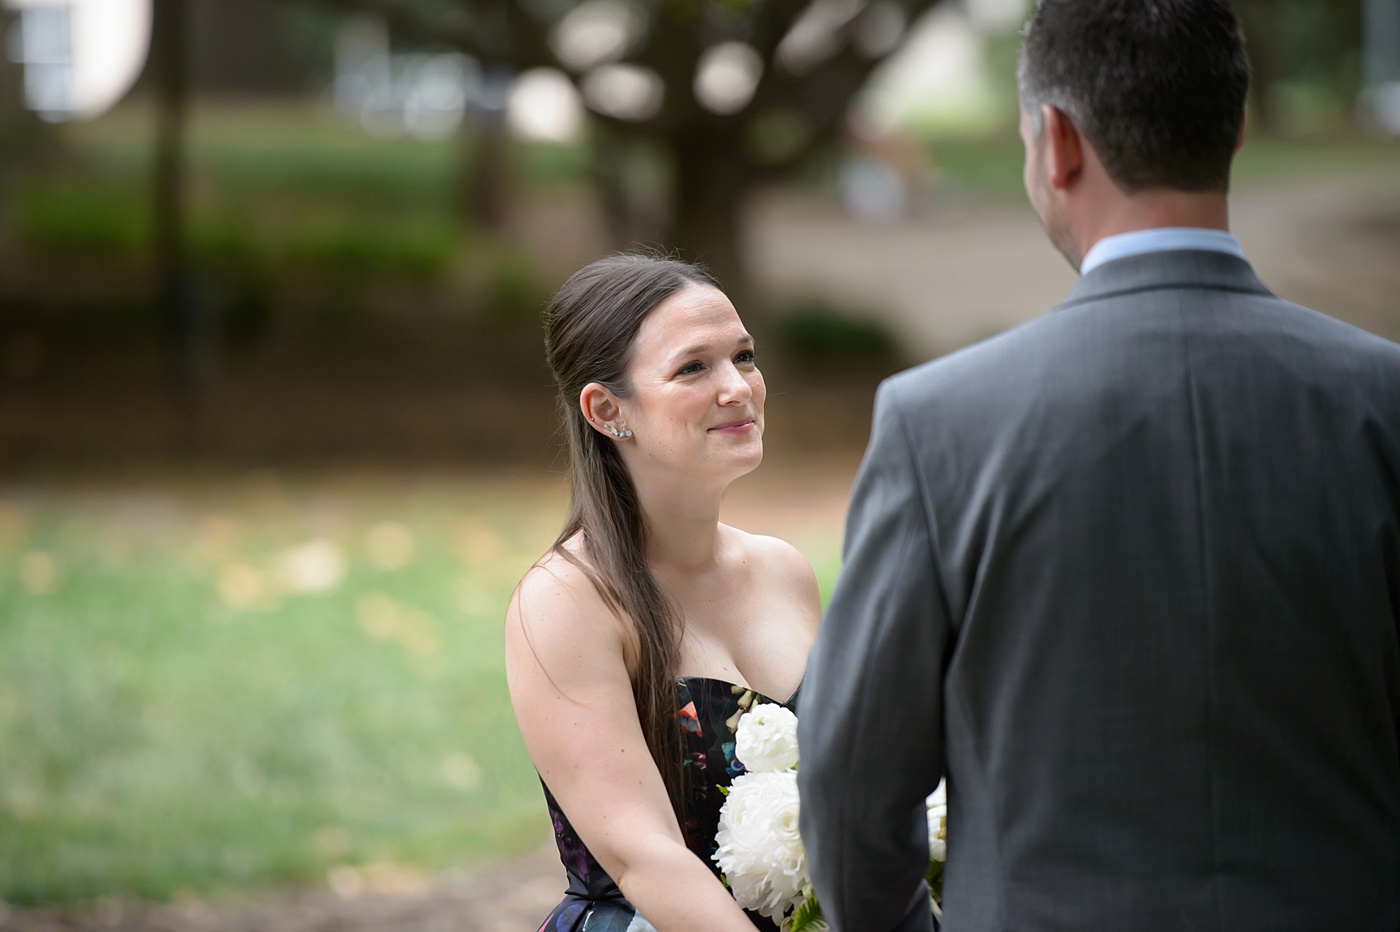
(943, 278)
(511, 896)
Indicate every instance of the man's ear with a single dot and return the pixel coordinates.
(1064, 147)
(599, 406)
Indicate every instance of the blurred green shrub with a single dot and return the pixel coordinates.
(77, 218)
(514, 294)
(818, 330)
(73, 218)
(416, 247)
(553, 164)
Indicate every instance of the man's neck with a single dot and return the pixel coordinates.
(1153, 209)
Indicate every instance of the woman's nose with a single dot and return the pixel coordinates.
(735, 389)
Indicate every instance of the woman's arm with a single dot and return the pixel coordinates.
(569, 684)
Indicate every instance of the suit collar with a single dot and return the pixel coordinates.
(1185, 268)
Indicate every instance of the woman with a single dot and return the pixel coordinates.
(650, 623)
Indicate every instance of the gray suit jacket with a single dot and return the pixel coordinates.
(1129, 575)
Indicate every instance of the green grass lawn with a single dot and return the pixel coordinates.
(241, 686)
(222, 685)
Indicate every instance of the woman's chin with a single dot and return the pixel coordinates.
(747, 461)
(713, 467)
(736, 464)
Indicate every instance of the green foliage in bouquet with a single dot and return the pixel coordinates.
(807, 917)
(934, 879)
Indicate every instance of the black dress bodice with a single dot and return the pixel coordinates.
(706, 710)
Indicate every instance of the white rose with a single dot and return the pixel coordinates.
(937, 805)
(760, 852)
(766, 739)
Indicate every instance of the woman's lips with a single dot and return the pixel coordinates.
(735, 427)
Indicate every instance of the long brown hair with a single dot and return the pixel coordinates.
(590, 327)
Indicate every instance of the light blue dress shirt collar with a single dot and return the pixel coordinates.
(1161, 239)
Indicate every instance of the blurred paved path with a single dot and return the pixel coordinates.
(955, 275)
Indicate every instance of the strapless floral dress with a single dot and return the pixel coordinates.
(706, 709)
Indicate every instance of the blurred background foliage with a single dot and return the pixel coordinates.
(274, 422)
(292, 217)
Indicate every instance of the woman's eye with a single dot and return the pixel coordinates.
(747, 357)
(690, 368)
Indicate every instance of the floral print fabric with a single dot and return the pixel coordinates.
(706, 711)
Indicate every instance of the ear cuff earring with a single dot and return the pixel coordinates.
(623, 434)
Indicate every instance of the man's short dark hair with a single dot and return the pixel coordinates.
(1157, 86)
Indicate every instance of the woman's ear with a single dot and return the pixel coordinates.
(600, 407)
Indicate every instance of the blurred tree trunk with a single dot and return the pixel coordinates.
(1262, 20)
(607, 168)
(716, 159)
(174, 298)
(484, 189)
(710, 190)
(1313, 41)
(24, 138)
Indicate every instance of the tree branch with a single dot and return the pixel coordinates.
(822, 95)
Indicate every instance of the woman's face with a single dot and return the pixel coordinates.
(696, 406)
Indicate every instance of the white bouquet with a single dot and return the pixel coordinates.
(760, 852)
(937, 806)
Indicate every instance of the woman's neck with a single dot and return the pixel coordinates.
(682, 525)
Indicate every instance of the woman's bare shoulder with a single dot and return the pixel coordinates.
(557, 614)
(775, 556)
(552, 577)
(780, 564)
